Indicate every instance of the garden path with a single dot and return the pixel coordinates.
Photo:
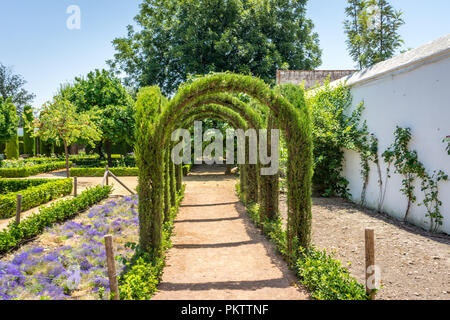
(218, 253)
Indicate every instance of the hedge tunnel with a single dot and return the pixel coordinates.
(212, 96)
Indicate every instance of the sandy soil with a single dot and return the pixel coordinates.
(218, 253)
(414, 264)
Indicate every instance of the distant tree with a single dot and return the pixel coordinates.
(60, 121)
(11, 86)
(103, 91)
(29, 142)
(372, 31)
(182, 37)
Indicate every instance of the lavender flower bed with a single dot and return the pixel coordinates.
(68, 261)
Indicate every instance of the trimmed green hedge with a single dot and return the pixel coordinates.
(186, 169)
(15, 185)
(99, 172)
(38, 193)
(31, 171)
(59, 212)
(317, 270)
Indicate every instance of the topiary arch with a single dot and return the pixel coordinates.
(212, 96)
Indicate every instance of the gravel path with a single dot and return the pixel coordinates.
(415, 265)
(218, 253)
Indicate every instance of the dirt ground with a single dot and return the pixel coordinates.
(218, 253)
(415, 265)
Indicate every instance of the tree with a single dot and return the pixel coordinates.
(11, 86)
(29, 142)
(60, 121)
(103, 91)
(372, 31)
(183, 37)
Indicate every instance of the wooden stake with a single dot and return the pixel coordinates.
(111, 263)
(107, 175)
(370, 261)
(75, 184)
(18, 208)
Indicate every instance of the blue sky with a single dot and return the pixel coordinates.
(35, 41)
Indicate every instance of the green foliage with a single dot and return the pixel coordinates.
(324, 276)
(40, 192)
(190, 37)
(24, 172)
(372, 31)
(8, 120)
(100, 90)
(99, 172)
(28, 139)
(407, 164)
(335, 127)
(14, 235)
(143, 273)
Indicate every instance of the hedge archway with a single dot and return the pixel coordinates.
(153, 130)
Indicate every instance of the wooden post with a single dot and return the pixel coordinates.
(111, 263)
(107, 175)
(18, 208)
(370, 262)
(75, 184)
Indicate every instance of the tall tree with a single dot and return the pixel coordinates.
(60, 121)
(177, 38)
(372, 31)
(103, 91)
(11, 86)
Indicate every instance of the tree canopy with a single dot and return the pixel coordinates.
(177, 38)
(11, 86)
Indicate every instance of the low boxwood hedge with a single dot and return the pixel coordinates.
(24, 172)
(40, 191)
(99, 172)
(14, 235)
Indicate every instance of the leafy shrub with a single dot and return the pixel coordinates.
(99, 172)
(23, 172)
(33, 196)
(34, 225)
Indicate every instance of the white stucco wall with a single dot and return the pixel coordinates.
(414, 95)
